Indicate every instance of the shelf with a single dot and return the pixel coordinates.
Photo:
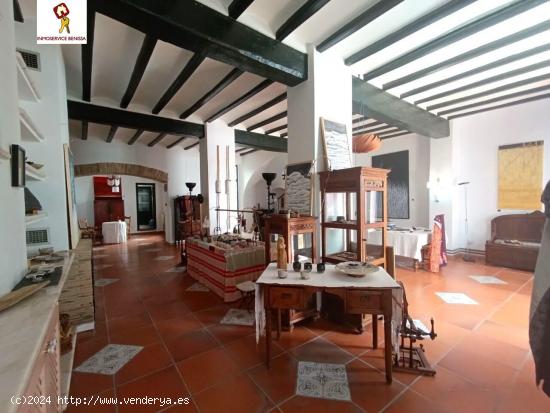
(25, 86)
(33, 174)
(66, 369)
(29, 132)
(31, 219)
(340, 225)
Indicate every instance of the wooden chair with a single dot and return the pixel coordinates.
(86, 231)
(128, 221)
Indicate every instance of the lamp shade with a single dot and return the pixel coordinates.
(366, 143)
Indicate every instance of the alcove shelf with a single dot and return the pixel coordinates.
(29, 131)
(26, 87)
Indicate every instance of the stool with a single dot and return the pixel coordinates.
(247, 289)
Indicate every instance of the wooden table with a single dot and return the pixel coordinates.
(372, 294)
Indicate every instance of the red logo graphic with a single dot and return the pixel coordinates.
(61, 10)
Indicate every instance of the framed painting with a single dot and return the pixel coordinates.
(299, 183)
(398, 182)
(336, 144)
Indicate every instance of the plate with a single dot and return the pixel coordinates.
(356, 268)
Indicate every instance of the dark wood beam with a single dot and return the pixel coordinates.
(267, 121)
(87, 56)
(387, 129)
(476, 70)
(191, 146)
(176, 142)
(226, 81)
(394, 37)
(503, 105)
(383, 106)
(84, 130)
(259, 109)
(491, 91)
(111, 134)
(369, 125)
(249, 152)
(134, 120)
(136, 136)
(308, 9)
(284, 135)
(140, 65)
(495, 99)
(241, 149)
(252, 92)
(358, 23)
(486, 81)
(237, 7)
(359, 119)
(196, 27)
(17, 13)
(178, 82)
(364, 129)
(160, 137)
(260, 141)
(394, 135)
(455, 35)
(276, 129)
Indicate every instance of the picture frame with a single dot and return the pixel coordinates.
(18, 157)
(299, 187)
(336, 145)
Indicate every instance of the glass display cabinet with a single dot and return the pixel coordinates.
(354, 215)
(299, 234)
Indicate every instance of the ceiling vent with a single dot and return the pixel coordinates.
(32, 59)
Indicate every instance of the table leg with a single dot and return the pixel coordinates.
(278, 323)
(388, 347)
(375, 331)
(267, 337)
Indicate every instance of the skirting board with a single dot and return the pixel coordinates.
(85, 327)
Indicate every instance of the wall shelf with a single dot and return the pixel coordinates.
(25, 86)
(32, 219)
(33, 174)
(29, 132)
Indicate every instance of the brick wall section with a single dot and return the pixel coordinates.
(113, 168)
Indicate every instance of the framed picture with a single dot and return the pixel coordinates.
(17, 166)
(336, 143)
(398, 183)
(299, 182)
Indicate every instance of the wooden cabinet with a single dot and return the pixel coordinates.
(291, 229)
(44, 383)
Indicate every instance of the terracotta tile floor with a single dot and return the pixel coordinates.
(481, 354)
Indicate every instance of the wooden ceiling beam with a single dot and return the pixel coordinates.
(191, 146)
(258, 110)
(159, 137)
(237, 7)
(140, 65)
(308, 9)
(269, 120)
(136, 136)
(176, 142)
(276, 129)
(260, 141)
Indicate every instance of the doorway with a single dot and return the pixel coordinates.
(145, 205)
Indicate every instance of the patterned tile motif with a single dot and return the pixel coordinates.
(198, 287)
(487, 279)
(164, 257)
(102, 282)
(238, 317)
(456, 298)
(322, 380)
(177, 269)
(109, 360)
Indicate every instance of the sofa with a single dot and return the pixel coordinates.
(515, 240)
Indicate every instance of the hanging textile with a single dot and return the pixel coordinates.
(440, 219)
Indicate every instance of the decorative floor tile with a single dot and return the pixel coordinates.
(487, 279)
(198, 287)
(100, 267)
(109, 360)
(456, 298)
(102, 282)
(164, 257)
(238, 317)
(177, 269)
(322, 380)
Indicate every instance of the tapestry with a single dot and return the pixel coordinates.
(298, 187)
(520, 175)
(336, 143)
(398, 183)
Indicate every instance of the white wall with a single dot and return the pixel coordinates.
(182, 166)
(12, 204)
(419, 171)
(475, 149)
(252, 187)
(85, 199)
(50, 117)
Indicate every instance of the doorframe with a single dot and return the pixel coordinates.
(154, 204)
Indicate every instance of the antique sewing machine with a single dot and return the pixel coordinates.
(412, 358)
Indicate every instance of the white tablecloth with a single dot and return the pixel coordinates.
(114, 232)
(404, 243)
